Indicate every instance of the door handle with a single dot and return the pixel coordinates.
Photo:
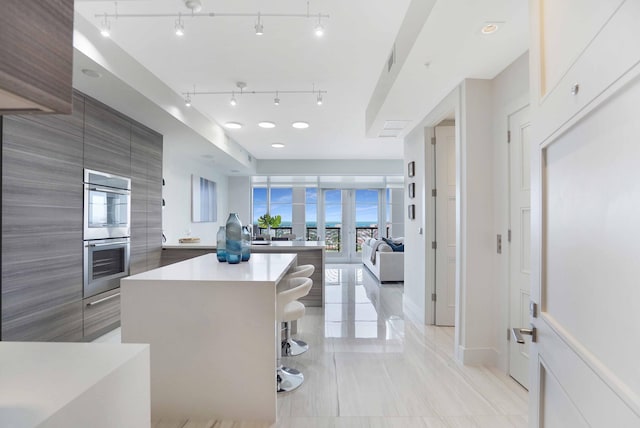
(518, 332)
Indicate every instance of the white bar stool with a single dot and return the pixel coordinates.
(289, 308)
(292, 347)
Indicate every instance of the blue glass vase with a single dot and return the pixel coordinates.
(246, 244)
(234, 239)
(221, 244)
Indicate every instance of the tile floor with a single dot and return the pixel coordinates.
(367, 367)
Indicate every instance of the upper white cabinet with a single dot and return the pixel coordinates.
(36, 56)
(579, 49)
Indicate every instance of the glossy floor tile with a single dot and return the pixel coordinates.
(367, 367)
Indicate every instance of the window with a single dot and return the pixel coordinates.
(311, 213)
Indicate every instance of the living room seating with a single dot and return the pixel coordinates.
(378, 256)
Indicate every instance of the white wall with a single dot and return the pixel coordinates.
(415, 242)
(510, 93)
(239, 200)
(176, 215)
(480, 108)
(330, 167)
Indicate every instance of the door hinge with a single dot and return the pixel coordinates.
(508, 136)
(509, 235)
(434, 244)
(434, 192)
(433, 141)
(433, 297)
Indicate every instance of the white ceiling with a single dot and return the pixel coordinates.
(347, 62)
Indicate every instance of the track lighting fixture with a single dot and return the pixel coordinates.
(187, 100)
(241, 85)
(105, 27)
(194, 8)
(319, 28)
(259, 28)
(179, 27)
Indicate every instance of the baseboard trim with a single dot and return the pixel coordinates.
(478, 356)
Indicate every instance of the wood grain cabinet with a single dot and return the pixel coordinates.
(146, 199)
(42, 226)
(42, 205)
(107, 139)
(37, 56)
(101, 314)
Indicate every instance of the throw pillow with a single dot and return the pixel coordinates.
(393, 245)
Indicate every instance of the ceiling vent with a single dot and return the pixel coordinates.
(389, 133)
(392, 58)
(395, 124)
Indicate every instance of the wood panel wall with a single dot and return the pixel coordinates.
(42, 195)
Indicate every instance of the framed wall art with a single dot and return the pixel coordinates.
(411, 169)
(412, 212)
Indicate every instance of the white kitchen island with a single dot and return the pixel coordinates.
(212, 331)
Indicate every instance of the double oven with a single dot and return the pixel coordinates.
(107, 226)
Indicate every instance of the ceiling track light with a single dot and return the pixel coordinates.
(105, 27)
(319, 28)
(241, 85)
(179, 27)
(259, 27)
(194, 12)
(187, 100)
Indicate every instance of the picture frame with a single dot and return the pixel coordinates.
(411, 169)
(412, 190)
(412, 212)
(204, 203)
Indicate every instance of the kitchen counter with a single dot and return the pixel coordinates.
(213, 331)
(74, 385)
(256, 245)
(308, 252)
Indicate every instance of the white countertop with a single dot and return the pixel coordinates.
(39, 379)
(261, 268)
(298, 245)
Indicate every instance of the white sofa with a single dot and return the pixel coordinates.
(388, 266)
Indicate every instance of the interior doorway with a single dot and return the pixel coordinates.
(444, 194)
(519, 240)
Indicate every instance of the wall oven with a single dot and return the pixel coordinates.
(107, 214)
(107, 202)
(106, 261)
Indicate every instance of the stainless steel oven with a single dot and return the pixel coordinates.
(106, 261)
(107, 205)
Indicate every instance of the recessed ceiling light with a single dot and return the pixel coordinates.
(300, 125)
(267, 125)
(277, 145)
(233, 125)
(91, 73)
(489, 28)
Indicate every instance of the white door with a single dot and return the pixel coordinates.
(445, 224)
(585, 276)
(520, 243)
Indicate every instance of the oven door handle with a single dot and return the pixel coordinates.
(104, 299)
(107, 244)
(109, 190)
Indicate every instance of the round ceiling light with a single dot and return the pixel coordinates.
(300, 125)
(277, 145)
(233, 125)
(267, 125)
(91, 73)
(489, 28)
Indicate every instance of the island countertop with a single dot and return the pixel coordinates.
(265, 269)
(297, 245)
